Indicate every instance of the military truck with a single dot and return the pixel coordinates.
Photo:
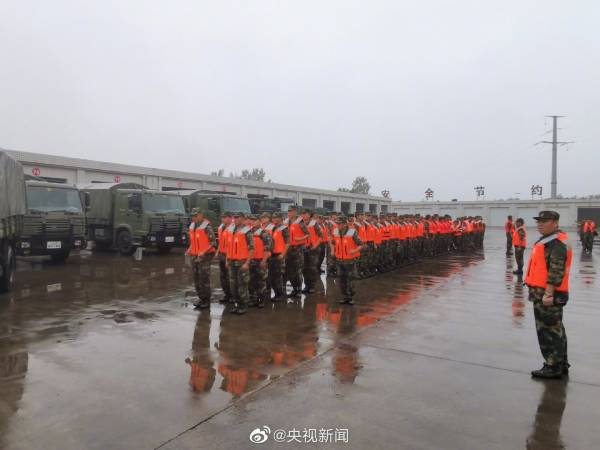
(13, 206)
(126, 216)
(215, 203)
(262, 203)
(54, 224)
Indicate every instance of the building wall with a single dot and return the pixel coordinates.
(82, 171)
(494, 212)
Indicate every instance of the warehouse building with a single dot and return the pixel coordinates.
(84, 171)
(494, 213)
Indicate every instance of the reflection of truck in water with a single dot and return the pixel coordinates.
(262, 203)
(54, 223)
(215, 203)
(13, 204)
(127, 216)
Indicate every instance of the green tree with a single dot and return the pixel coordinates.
(360, 185)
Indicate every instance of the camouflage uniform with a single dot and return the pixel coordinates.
(223, 270)
(258, 274)
(277, 267)
(520, 251)
(201, 269)
(294, 262)
(347, 272)
(311, 260)
(240, 277)
(548, 319)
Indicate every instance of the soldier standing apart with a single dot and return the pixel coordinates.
(202, 249)
(224, 235)
(509, 229)
(589, 232)
(520, 242)
(239, 254)
(258, 264)
(346, 247)
(281, 243)
(548, 281)
(295, 256)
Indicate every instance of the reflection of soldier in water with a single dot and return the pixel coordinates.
(202, 375)
(546, 426)
(13, 368)
(518, 304)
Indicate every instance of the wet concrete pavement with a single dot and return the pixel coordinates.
(105, 352)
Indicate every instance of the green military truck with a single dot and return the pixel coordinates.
(126, 216)
(215, 203)
(54, 224)
(13, 206)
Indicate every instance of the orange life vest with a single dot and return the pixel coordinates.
(314, 240)
(324, 233)
(199, 242)
(278, 240)
(362, 232)
(344, 245)
(296, 232)
(238, 246)
(259, 245)
(224, 236)
(537, 272)
(517, 242)
(509, 227)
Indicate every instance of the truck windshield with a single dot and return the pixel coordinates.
(165, 204)
(236, 205)
(47, 199)
(285, 205)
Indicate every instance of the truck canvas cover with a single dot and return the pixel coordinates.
(13, 199)
(101, 199)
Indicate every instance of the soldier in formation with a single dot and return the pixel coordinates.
(261, 254)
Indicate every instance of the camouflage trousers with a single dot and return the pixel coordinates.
(551, 334)
(322, 252)
(238, 281)
(331, 263)
(258, 281)
(310, 269)
(201, 271)
(508, 243)
(519, 253)
(276, 275)
(294, 263)
(224, 276)
(347, 274)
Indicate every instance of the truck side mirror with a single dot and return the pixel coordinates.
(86, 201)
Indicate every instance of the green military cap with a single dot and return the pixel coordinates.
(292, 208)
(196, 211)
(227, 214)
(342, 219)
(276, 215)
(548, 215)
(239, 214)
(266, 215)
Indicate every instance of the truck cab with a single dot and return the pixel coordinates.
(215, 204)
(54, 223)
(126, 216)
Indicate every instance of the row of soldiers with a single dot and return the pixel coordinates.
(587, 234)
(260, 254)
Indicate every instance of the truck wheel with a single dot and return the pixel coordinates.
(60, 257)
(125, 243)
(164, 249)
(8, 261)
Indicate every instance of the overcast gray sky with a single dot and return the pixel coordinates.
(440, 94)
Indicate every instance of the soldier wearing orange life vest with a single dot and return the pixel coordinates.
(239, 253)
(548, 280)
(202, 250)
(281, 244)
(258, 265)
(311, 252)
(509, 228)
(294, 262)
(346, 245)
(224, 234)
(588, 234)
(519, 242)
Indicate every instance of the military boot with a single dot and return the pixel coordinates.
(548, 372)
